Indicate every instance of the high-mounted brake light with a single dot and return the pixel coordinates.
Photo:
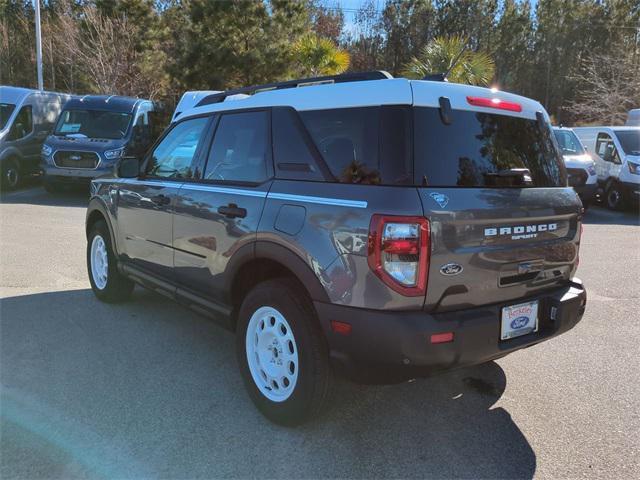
(494, 103)
(399, 252)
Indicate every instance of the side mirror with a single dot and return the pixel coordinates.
(128, 167)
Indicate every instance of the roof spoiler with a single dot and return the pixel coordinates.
(304, 82)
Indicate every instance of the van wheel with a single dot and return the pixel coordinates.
(107, 283)
(614, 197)
(10, 174)
(282, 353)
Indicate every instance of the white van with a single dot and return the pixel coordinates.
(633, 118)
(617, 155)
(581, 170)
(26, 119)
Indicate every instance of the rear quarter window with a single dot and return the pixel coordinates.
(475, 146)
(367, 145)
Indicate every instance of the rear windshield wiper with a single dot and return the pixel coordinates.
(509, 177)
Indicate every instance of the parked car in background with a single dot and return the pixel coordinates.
(633, 118)
(388, 228)
(26, 118)
(92, 134)
(581, 168)
(617, 157)
(190, 100)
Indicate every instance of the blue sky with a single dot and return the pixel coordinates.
(351, 6)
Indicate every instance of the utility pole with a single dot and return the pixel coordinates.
(38, 46)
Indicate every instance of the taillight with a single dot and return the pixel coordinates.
(494, 103)
(399, 252)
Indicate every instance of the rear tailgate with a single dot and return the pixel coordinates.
(504, 223)
(509, 243)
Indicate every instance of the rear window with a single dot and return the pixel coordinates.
(482, 150)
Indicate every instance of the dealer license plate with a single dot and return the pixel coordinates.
(519, 320)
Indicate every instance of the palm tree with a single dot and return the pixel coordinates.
(439, 55)
(320, 56)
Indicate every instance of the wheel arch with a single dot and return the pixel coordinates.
(97, 211)
(270, 260)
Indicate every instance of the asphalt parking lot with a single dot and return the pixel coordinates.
(148, 389)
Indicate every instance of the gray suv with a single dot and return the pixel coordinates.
(382, 228)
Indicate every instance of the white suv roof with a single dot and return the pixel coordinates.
(392, 91)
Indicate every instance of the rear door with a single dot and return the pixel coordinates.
(499, 233)
(218, 213)
(146, 204)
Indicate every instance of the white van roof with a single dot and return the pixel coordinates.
(16, 95)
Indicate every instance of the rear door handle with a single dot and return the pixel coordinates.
(161, 199)
(232, 211)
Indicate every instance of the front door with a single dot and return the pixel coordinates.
(218, 214)
(146, 205)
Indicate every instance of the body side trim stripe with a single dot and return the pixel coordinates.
(319, 200)
(249, 193)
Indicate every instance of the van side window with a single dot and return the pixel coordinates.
(23, 124)
(240, 148)
(293, 160)
(173, 156)
(606, 149)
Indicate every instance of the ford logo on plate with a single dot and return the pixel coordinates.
(451, 269)
(519, 322)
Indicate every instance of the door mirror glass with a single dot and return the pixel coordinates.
(128, 167)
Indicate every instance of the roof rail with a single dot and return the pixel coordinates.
(304, 82)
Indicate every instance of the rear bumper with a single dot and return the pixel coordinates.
(393, 346)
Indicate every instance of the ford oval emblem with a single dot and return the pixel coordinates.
(519, 322)
(451, 269)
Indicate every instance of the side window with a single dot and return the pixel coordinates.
(172, 157)
(23, 124)
(347, 139)
(293, 160)
(606, 149)
(239, 151)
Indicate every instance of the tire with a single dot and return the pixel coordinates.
(289, 348)
(11, 176)
(107, 283)
(614, 197)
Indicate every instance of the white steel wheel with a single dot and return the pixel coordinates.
(99, 262)
(272, 354)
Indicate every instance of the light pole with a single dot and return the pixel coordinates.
(38, 46)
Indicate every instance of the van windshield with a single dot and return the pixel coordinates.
(93, 124)
(629, 141)
(6, 109)
(568, 142)
(483, 150)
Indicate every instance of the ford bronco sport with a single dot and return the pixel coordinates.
(384, 228)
